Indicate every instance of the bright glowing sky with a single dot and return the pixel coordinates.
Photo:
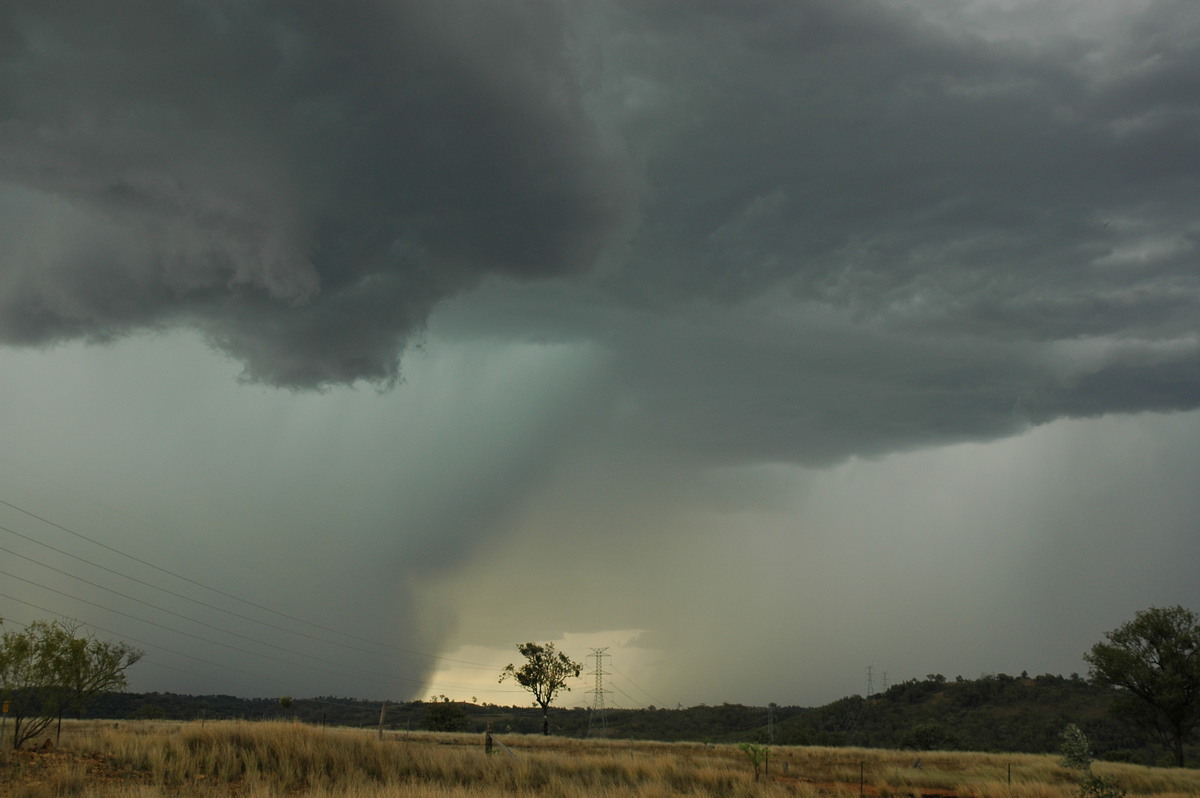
(758, 342)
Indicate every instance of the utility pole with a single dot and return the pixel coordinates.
(598, 716)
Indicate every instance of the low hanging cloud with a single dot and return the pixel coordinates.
(300, 182)
(865, 229)
(800, 231)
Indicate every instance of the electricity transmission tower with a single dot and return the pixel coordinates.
(598, 718)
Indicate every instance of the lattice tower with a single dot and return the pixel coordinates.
(598, 718)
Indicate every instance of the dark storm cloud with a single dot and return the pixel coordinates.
(867, 161)
(300, 181)
(824, 227)
(874, 232)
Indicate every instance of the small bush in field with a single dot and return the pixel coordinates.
(757, 754)
(1075, 749)
(1099, 787)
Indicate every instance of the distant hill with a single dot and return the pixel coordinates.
(993, 713)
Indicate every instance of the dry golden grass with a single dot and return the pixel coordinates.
(255, 760)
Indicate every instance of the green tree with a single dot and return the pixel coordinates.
(1154, 661)
(445, 715)
(929, 736)
(544, 673)
(88, 666)
(50, 667)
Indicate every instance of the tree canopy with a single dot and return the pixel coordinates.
(50, 667)
(1154, 660)
(544, 673)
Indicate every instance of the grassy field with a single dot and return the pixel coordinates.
(256, 760)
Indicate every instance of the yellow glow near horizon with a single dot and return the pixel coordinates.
(466, 674)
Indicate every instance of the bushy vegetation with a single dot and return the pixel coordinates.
(52, 667)
(992, 713)
(1076, 749)
(1153, 661)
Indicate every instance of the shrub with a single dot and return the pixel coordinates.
(1075, 749)
(1099, 787)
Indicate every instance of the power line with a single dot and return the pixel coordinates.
(632, 701)
(165, 649)
(381, 648)
(154, 646)
(170, 629)
(631, 683)
(160, 609)
(198, 602)
(190, 581)
(361, 671)
(247, 602)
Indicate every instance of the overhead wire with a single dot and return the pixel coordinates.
(342, 667)
(160, 647)
(163, 610)
(161, 589)
(189, 580)
(635, 686)
(158, 625)
(128, 638)
(141, 561)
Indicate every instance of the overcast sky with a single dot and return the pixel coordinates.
(761, 342)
